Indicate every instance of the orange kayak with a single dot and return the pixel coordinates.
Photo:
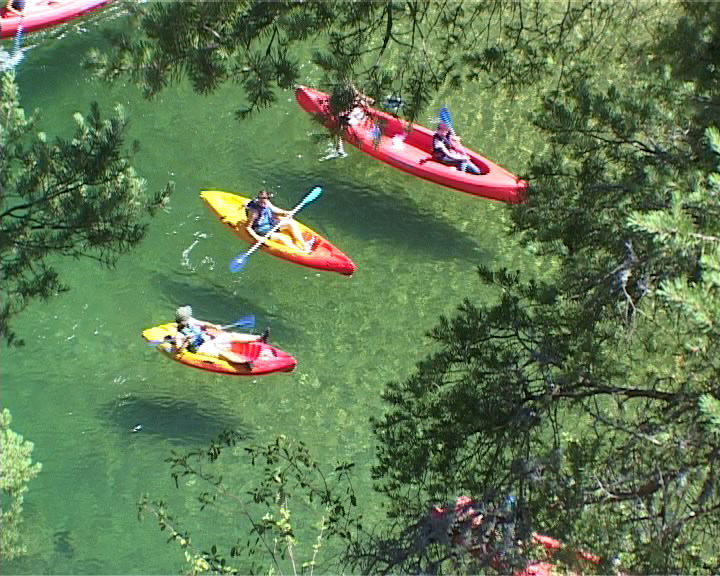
(408, 147)
(230, 208)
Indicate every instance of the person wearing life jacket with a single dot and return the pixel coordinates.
(446, 150)
(201, 337)
(263, 217)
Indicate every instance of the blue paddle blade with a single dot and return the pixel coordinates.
(244, 322)
(312, 195)
(238, 263)
(446, 117)
(393, 102)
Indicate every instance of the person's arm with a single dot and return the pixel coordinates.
(454, 138)
(362, 99)
(439, 146)
(457, 147)
(207, 325)
(278, 211)
(180, 342)
(453, 152)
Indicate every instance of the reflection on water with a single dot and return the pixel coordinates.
(178, 421)
(217, 303)
(62, 543)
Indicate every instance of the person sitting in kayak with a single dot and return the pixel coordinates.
(201, 337)
(354, 114)
(263, 217)
(15, 7)
(359, 111)
(446, 150)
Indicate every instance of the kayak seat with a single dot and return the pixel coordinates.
(250, 350)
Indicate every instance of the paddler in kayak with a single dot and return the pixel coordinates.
(15, 7)
(355, 110)
(263, 216)
(446, 150)
(201, 337)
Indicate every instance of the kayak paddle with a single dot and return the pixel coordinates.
(446, 118)
(244, 322)
(238, 262)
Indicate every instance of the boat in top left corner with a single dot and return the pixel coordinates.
(39, 14)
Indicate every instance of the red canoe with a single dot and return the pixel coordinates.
(411, 152)
(43, 13)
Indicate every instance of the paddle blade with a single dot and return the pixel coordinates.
(312, 195)
(238, 263)
(244, 322)
(446, 117)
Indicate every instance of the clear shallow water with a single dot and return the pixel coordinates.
(86, 378)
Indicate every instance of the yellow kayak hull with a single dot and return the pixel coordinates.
(265, 358)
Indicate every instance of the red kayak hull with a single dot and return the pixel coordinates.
(410, 151)
(44, 13)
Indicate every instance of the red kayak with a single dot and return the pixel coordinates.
(40, 14)
(411, 151)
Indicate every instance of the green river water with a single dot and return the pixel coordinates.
(85, 378)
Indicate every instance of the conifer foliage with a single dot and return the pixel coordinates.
(77, 197)
(17, 470)
(591, 392)
(410, 49)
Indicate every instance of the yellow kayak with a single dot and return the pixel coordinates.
(230, 208)
(263, 357)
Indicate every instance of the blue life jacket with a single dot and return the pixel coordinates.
(196, 335)
(266, 218)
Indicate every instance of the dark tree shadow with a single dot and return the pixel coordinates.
(215, 302)
(178, 421)
(386, 215)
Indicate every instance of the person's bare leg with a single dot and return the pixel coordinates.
(296, 233)
(283, 239)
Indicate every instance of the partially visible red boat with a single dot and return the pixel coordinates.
(411, 151)
(40, 14)
(586, 561)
